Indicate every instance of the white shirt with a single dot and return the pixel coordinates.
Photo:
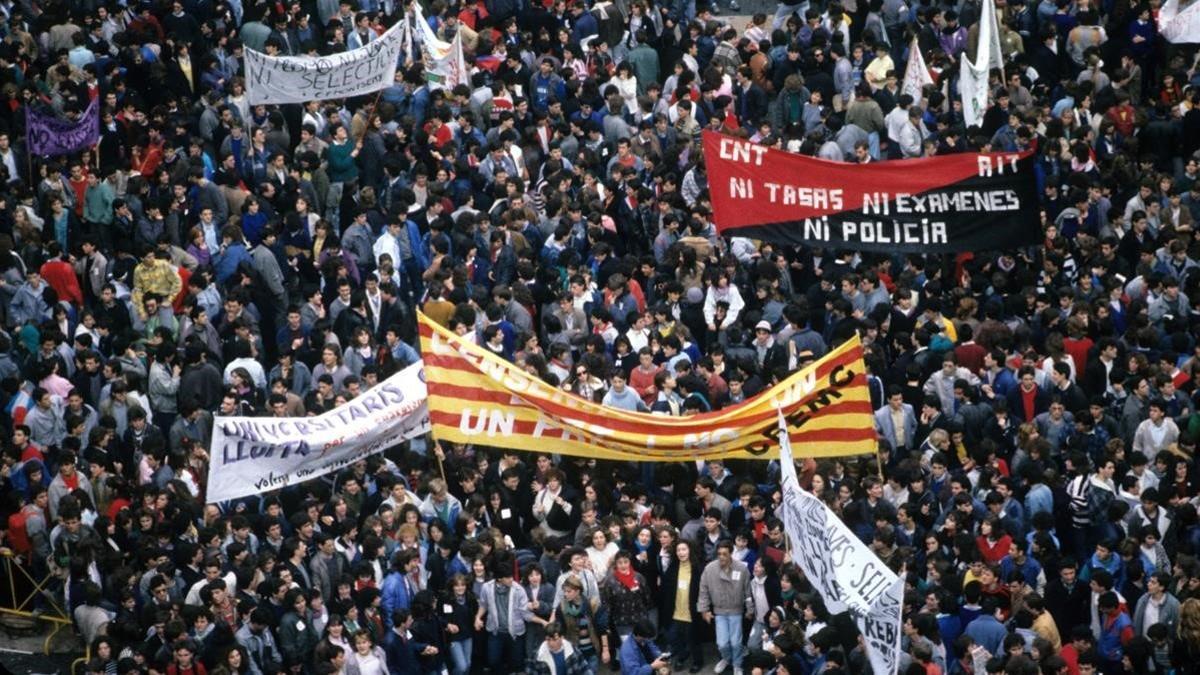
(894, 122)
(371, 664)
(602, 558)
(252, 366)
(1153, 609)
(638, 339)
(10, 162)
(386, 243)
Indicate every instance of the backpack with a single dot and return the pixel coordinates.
(18, 533)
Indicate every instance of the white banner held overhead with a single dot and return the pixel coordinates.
(973, 76)
(844, 571)
(299, 79)
(916, 73)
(250, 455)
(1180, 25)
(445, 65)
(973, 86)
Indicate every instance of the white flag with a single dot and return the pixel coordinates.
(406, 40)
(1180, 25)
(916, 74)
(299, 79)
(989, 34)
(973, 76)
(445, 66)
(839, 565)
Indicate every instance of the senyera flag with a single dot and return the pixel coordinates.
(943, 204)
(477, 397)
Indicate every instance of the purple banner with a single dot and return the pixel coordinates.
(50, 135)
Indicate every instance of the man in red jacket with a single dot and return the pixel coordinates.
(59, 272)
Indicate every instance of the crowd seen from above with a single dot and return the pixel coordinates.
(1036, 480)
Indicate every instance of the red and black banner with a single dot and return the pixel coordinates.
(963, 202)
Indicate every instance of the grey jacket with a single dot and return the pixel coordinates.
(58, 489)
(725, 591)
(326, 572)
(517, 610)
(164, 386)
(264, 654)
(268, 268)
(1168, 614)
(46, 426)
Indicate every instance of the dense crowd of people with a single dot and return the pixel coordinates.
(1036, 408)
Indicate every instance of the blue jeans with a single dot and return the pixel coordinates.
(729, 638)
(460, 656)
(505, 653)
(756, 635)
(782, 12)
(333, 205)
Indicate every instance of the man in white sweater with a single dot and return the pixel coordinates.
(1157, 432)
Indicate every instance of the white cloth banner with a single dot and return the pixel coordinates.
(250, 455)
(844, 571)
(1180, 26)
(300, 79)
(445, 65)
(916, 73)
(973, 76)
(973, 86)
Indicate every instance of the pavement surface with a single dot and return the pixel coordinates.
(748, 9)
(21, 653)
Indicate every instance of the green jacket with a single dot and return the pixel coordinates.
(342, 168)
(644, 61)
(98, 204)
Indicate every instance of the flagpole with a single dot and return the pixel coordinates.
(439, 453)
(782, 433)
(28, 150)
(373, 114)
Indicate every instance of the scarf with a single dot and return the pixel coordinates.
(628, 580)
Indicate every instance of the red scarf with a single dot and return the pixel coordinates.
(628, 580)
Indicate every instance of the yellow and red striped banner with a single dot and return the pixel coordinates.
(477, 397)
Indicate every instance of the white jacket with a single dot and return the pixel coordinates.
(730, 294)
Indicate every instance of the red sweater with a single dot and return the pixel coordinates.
(1078, 351)
(643, 384)
(61, 277)
(993, 553)
(970, 356)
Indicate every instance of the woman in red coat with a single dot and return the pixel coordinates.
(993, 541)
